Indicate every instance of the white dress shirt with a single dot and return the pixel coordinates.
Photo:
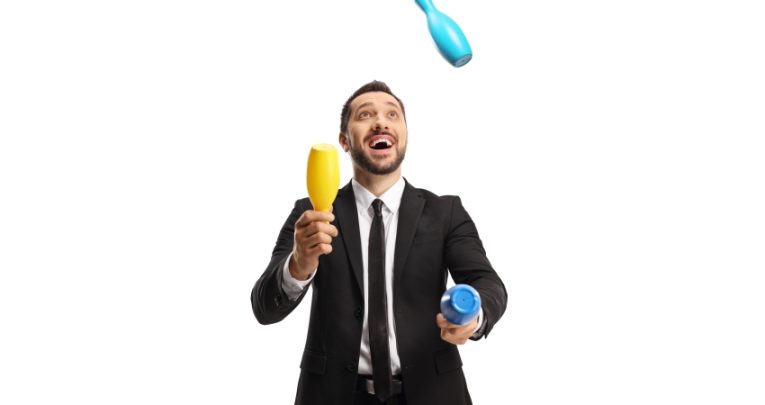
(391, 201)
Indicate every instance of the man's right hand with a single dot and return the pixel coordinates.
(313, 238)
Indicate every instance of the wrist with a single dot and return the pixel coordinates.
(295, 270)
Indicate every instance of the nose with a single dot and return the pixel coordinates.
(381, 123)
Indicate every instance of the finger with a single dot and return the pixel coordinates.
(329, 229)
(454, 332)
(454, 337)
(321, 249)
(315, 216)
(325, 248)
(441, 321)
(312, 235)
(302, 221)
(444, 324)
(464, 330)
(324, 227)
(318, 238)
(315, 251)
(316, 227)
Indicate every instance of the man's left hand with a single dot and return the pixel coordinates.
(456, 334)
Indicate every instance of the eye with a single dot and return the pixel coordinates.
(364, 114)
(393, 114)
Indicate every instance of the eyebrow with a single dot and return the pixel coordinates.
(369, 103)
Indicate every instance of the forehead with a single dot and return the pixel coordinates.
(375, 98)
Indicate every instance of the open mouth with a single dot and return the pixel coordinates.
(380, 142)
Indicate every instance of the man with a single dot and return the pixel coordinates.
(378, 267)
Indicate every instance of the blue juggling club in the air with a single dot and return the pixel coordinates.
(460, 304)
(450, 40)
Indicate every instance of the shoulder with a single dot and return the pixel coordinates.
(434, 201)
(303, 204)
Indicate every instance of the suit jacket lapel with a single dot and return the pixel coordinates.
(409, 213)
(348, 220)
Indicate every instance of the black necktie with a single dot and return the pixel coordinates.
(378, 307)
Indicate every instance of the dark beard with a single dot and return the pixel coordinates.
(358, 156)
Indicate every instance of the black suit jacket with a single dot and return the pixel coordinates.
(435, 234)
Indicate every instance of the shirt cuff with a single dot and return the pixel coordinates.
(476, 333)
(292, 286)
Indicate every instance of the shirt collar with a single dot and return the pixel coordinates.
(391, 197)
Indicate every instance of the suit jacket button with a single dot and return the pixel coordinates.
(350, 367)
(358, 312)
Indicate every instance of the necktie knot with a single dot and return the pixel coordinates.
(377, 205)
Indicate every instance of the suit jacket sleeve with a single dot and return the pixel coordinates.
(467, 262)
(269, 301)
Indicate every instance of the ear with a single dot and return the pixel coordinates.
(343, 139)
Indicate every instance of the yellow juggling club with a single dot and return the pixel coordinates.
(323, 176)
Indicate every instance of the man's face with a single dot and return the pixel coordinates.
(376, 134)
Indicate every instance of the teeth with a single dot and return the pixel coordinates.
(379, 141)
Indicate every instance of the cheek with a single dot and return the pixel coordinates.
(403, 140)
(356, 142)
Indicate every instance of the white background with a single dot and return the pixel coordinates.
(610, 153)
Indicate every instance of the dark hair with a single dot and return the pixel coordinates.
(374, 85)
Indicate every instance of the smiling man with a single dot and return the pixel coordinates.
(378, 266)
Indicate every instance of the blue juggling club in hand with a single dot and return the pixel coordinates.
(450, 40)
(460, 304)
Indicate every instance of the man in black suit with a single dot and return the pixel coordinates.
(378, 267)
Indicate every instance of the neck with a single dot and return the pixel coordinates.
(377, 184)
